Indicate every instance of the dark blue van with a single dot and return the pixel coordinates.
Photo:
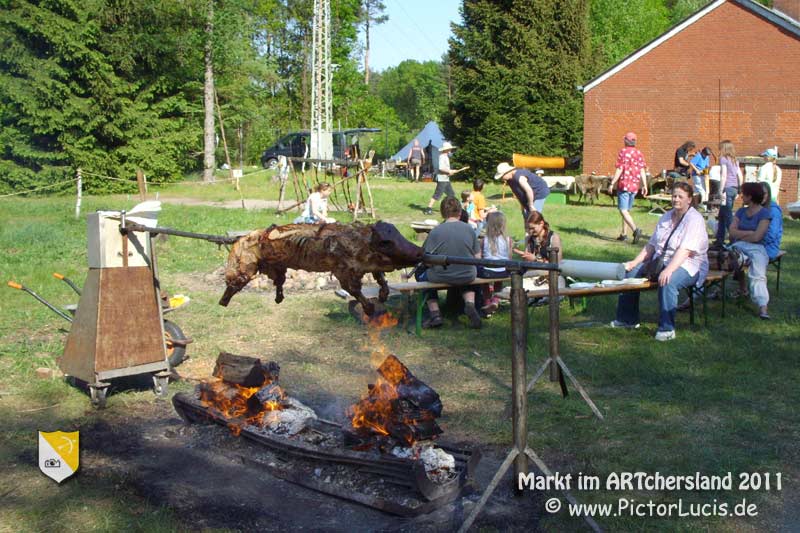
(294, 145)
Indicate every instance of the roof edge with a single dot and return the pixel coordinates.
(776, 17)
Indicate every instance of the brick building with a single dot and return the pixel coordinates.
(730, 71)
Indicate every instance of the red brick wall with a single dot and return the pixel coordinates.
(788, 7)
(730, 75)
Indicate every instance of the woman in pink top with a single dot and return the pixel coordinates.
(680, 238)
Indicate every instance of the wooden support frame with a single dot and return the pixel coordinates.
(521, 452)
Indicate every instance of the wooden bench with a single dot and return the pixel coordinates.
(419, 288)
(776, 263)
(714, 278)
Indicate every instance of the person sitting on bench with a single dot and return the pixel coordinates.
(453, 238)
(680, 246)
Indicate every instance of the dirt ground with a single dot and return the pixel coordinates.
(197, 471)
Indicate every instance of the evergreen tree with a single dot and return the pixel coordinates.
(515, 65)
(73, 95)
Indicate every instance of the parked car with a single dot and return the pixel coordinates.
(294, 145)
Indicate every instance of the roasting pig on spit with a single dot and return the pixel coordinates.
(348, 251)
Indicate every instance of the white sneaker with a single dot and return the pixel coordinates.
(665, 335)
(618, 324)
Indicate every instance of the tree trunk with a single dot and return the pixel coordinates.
(209, 137)
(366, 52)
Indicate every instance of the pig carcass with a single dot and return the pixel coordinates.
(347, 251)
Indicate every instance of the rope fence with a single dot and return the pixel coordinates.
(39, 188)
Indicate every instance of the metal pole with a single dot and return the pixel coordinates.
(552, 282)
(519, 340)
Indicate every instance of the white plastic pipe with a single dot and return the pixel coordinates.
(592, 269)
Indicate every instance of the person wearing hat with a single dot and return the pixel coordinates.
(627, 176)
(443, 177)
(528, 187)
(771, 173)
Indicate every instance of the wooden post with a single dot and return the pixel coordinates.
(225, 144)
(142, 184)
(554, 310)
(79, 195)
(358, 194)
(519, 342)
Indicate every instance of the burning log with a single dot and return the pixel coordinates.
(410, 388)
(398, 408)
(245, 371)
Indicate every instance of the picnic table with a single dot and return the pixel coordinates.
(659, 203)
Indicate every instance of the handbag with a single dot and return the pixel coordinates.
(653, 267)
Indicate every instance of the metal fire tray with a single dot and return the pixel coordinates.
(406, 472)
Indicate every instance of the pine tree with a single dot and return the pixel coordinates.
(515, 65)
(78, 89)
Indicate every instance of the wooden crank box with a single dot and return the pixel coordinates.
(118, 326)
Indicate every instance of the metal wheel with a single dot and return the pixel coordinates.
(270, 163)
(176, 354)
(161, 386)
(98, 395)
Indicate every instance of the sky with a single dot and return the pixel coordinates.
(416, 29)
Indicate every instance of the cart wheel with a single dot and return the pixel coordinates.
(175, 354)
(160, 386)
(98, 395)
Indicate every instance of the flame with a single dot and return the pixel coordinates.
(234, 403)
(377, 410)
(375, 327)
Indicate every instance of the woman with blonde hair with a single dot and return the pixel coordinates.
(730, 181)
(770, 173)
(496, 245)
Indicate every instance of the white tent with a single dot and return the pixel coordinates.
(429, 134)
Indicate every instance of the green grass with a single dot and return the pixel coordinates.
(717, 399)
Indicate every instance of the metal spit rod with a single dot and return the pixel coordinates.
(218, 239)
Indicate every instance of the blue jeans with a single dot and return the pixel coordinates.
(625, 200)
(538, 205)
(726, 213)
(628, 303)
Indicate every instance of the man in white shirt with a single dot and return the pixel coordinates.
(443, 174)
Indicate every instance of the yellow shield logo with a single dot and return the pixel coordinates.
(58, 454)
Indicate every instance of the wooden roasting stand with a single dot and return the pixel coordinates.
(118, 329)
(521, 452)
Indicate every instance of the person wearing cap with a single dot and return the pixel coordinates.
(443, 174)
(771, 173)
(698, 168)
(528, 187)
(627, 176)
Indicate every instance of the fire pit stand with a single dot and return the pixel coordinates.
(402, 472)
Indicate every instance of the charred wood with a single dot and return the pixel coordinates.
(245, 371)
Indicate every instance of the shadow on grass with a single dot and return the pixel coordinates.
(421, 208)
(586, 233)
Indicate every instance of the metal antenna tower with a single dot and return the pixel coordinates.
(321, 108)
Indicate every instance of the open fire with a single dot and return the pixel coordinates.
(398, 410)
(245, 391)
(396, 418)
(388, 444)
